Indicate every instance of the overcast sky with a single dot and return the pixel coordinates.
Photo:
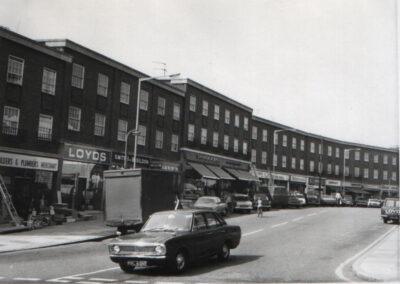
(326, 67)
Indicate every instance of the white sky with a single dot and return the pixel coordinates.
(326, 67)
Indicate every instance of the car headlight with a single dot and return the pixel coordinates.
(115, 249)
(160, 249)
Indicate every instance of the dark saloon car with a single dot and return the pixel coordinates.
(265, 202)
(212, 203)
(312, 199)
(328, 200)
(362, 202)
(347, 200)
(390, 210)
(175, 239)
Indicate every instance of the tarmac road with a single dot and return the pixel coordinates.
(290, 245)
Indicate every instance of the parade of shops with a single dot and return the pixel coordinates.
(66, 111)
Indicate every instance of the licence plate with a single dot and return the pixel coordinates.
(139, 263)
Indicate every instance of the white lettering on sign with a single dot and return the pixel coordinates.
(28, 162)
(87, 154)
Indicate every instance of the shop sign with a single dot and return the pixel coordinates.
(28, 162)
(372, 186)
(262, 174)
(298, 179)
(214, 160)
(121, 157)
(86, 154)
(280, 177)
(315, 181)
(333, 182)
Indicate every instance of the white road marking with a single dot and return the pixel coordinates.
(88, 282)
(169, 282)
(312, 214)
(323, 211)
(280, 224)
(251, 233)
(102, 280)
(136, 281)
(27, 279)
(297, 219)
(73, 278)
(339, 270)
(58, 280)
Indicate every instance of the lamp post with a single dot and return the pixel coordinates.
(137, 108)
(134, 132)
(344, 165)
(273, 158)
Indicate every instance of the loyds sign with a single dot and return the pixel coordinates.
(86, 154)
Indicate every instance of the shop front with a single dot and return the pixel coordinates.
(30, 181)
(356, 190)
(374, 190)
(389, 191)
(317, 185)
(333, 186)
(279, 181)
(298, 183)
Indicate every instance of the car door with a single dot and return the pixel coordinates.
(215, 233)
(200, 240)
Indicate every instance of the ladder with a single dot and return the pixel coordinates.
(8, 202)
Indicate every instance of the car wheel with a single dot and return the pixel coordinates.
(180, 262)
(385, 220)
(224, 253)
(127, 267)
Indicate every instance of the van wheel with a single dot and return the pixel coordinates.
(224, 253)
(127, 267)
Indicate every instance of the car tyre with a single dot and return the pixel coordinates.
(224, 253)
(129, 268)
(385, 220)
(180, 262)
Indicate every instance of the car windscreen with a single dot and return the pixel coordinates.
(168, 222)
(241, 198)
(206, 201)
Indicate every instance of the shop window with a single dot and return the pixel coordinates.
(216, 112)
(122, 129)
(192, 106)
(227, 117)
(78, 75)
(142, 135)
(10, 120)
(161, 106)
(226, 142)
(191, 132)
(176, 111)
(102, 85)
(144, 100)
(45, 127)
(74, 118)
(125, 93)
(44, 177)
(49, 81)
(174, 143)
(99, 124)
(15, 70)
(159, 139)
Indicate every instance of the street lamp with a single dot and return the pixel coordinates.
(273, 158)
(134, 132)
(344, 165)
(137, 108)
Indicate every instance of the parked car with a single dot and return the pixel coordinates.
(211, 203)
(362, 202)
(347, 200)
(312, 199)
(280, 197)
(374, 203)
(174, 239)
(265, 202)
(328, 200)
(296, 199)
(390, 210)
(243, 203)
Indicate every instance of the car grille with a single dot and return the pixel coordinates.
(137, 249)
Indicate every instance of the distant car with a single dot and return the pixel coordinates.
(374, 203)
(296, 199)
(242, 202)
(265, 202)
(328, 200)
(175, 239)
(362, 202)
(390, 210)
(212, 203)
(347, 200)
(312, 199)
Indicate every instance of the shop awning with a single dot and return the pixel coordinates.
(357, 190)
(203, 171)
(220, 172)
(372, 189)
(242, 175)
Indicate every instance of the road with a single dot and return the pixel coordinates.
(288, 245)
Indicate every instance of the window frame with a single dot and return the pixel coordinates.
(102, 85)
(11, 130)
(99, 124)
(78, 80)
(125, 93)
(15, 70)
(159, 140)
(72, 120)
(49, 83)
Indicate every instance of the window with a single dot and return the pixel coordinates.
(192, 105)
(205, 108)
(10, 120)
(376, 158)
(174, 143)
(337, 170)
(294, 143)
(244, 148)
(102, 85)
(264, 157)
(376, 174)
(176, 112)
(394, 161)
(253, 156)
(226, 142)
(265, 135)
(366, 173)
(346, 171)
(302, 145)
(276, 138)
(337, 152)
(385, 175)
(159, 139)
(346, 154)
(246, 123)
(366, 157)
(74, 118)
(312, 147)
(357, 155)
(216, 112)
(302, 164)
(275, 160)
(212, 221)
(161, 106)
(15, 70)
(144, 100)
(235, 145)
(385, 159)
(125, 93)
(49, 81)
(320, 149)
(254, 133)
(122, 129)
(215, 139)
(284, 140)
(329, 151)
(142, 135)
(199, 223)
(237, 120)
(312, 166)
(204, 136)
(356, 171)
(191, 132)
(227, 116)
(45, 127)
(99, 124)
(78, 75)
(283, 161)
(329, 169)
(394, 176)
(293, 163)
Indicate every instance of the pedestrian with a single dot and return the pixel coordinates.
(259, 208)
(338, 199)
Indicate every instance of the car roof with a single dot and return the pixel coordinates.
(184, 211)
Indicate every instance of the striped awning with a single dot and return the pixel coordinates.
(203, 171)
(220, 172)
(242, 175)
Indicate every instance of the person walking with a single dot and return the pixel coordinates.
(338, 198)
(259, 208)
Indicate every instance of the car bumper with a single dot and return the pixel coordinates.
(391, 217)
(151, 260)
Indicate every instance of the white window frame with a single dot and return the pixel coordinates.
(265, 135)
(244, 148)
(329, 169)
(284, 140)
(330, 151)
(254, 133)
(78, 76)
(275, 161)
(366, 173)
(366, 157)
(144, 100)
(226, 142)
(385, 175)
(294, 163)
(191, 132)
(125, 92)
(141, 140)
(283, 161)
(312, 147)
(356, 172)
(161, 103)
(122, 129)
(203, 137)
(227, 116)
(337, 169)
(312, 166)
(337, 152)
(49, 79)
(159, 142)
(254, 156)
(302, 164)
(376, 158)
(215, 139)
(394, 161)
(394, 176)
(302, 145)
(45, 133)
(174, 143)
(74, 118)
(235, 145)
(237, 120)
(264, 157)
(385, 159)
(15, 70)
(347, 171)
(102, 84)
(192, 104)
(11, 120)
(356, 155)
(246, 123)
(216, 112)
(294, 142)
(204, 111)
(99, 124)
(176, 112)
(376, 174)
